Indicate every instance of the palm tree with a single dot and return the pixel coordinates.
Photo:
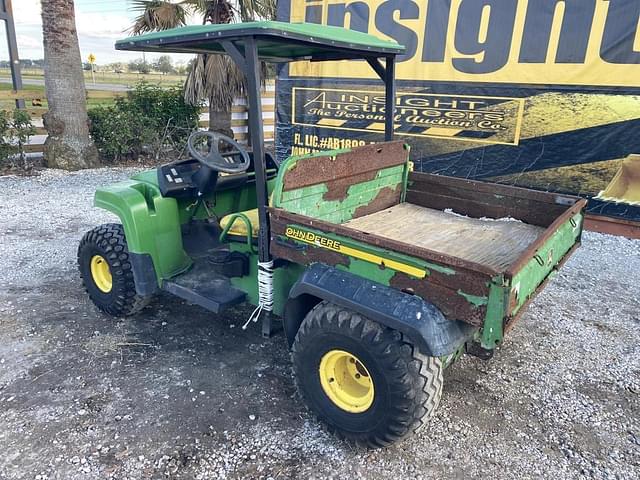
(68, 145)
(215, 78)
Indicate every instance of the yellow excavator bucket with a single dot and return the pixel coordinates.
(625, 185)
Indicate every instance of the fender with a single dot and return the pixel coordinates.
(152, 229)
(421, 321)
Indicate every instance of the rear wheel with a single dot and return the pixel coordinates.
(105, 269)
(367, 382)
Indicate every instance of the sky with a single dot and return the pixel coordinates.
(99, 22)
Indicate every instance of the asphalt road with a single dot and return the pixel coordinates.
(109, 87)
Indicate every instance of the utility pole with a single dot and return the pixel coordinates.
(6, 14)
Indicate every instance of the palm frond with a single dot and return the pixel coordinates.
(225, 11)
(257, 10)
(215, 78)
(157, 15)
(199, 5)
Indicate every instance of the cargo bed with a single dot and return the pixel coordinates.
(496, 243)
(477, 251)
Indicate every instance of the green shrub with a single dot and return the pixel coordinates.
(119, 132)
(15, 130)
(150, 119)
(6, 147)
(21, 129)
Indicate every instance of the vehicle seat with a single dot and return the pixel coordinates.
(239, 226)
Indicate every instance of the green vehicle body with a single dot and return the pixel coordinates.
(341, 245)
(154, 227)
(153, 223)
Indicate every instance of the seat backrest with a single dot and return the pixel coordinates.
(339, 185)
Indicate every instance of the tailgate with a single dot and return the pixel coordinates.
(542, 259)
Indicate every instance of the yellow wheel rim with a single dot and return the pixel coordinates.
(346, 381)
(101, 274)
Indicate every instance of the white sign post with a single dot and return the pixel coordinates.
(92, 60)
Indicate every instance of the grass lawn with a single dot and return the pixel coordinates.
(92, 101)
(9, 104)
(8, 86)
(109, 77)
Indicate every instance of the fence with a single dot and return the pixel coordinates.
(34, 100)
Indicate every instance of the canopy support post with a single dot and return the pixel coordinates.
(249, 63)
(390, 98)
(386, 73)
(257, 139)
(235, 54)
(6, 15)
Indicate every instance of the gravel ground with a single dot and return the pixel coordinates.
(177, 392)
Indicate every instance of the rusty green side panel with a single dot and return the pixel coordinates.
(537, 269)
(508, 295)
(309, 200)
(497, 307)
(316, 200)
(375, 263)
(380, 264)
(288, 165)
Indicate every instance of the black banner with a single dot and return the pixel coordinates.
(539, 93)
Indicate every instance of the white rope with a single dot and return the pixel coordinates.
(265, 292)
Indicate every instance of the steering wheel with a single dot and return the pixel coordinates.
(214, 159)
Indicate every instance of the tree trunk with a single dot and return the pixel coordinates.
(220, 121)
(68, 145)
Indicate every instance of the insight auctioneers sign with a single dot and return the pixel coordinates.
(540, 93)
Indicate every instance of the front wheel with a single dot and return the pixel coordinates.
(105, 269)
(367, 382)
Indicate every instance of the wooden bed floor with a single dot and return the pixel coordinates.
(494, 243)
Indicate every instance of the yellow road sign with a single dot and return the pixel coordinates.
(92, 58)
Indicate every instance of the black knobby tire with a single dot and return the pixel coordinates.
(109, 242)
(407, 384)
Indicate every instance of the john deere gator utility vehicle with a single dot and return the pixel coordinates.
(380, 277)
